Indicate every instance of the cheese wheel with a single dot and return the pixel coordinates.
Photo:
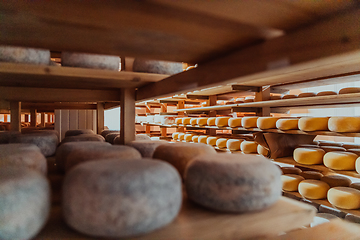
(202, 139)
(349, 90)
(344, 197)
(156, 66)
(306, 94)
(195, 138)
(222, 121)
(248, 147)
(193, 121)
(266, 122)
(181, 136)
(24, 55)
(262, 151)
(291, 170)
(5, 136)
(344, 124)
(186, 121)
(146, 147)
(336, 181)
(221, 142)
(290, 182)
(84, 138)
(24, 201)
(233, 182)
(111, 137)
(178, 121)
(211, 121)
(340, 160)
(249, 99)
(313, 123)
(141, 137)
(76, 132)
(311, 175)
(355, 185)
(211, 141)
(326, 93)
(234, 122)
(288, 96)
(332, 148)
(86, 60)
(313, 189)
(309, 156)
(202, 121)
(121, 198)
(175, 135)
(287, 124)
(275, 97)
(234, 144)
(357, 165)
(188, 137)
(249, 122)
(104, 132)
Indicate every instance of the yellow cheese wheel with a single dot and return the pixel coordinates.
(202, 121)
(287, 124)
(188, 137)
(291, 170)
(313, 189)
(221, 142)
(357, 165)
(326, 93)
(178, 121)
(349, 90)
(344, 124)
(202, 139)
(211, 141)
(195, 138)
(275, 97)
(344, 197)
(249, 122)
(309, 156)
(340, 160)
(262, 151)
(291, 182)
(222, 121)
(234, 122)
(248, 147)
(211, 121)
(175, 135)
(181, 136)
(193, 121)
(313, 123)
(288, 96)
(266, 122)
(306, 94)
(186, 120)
(234, 144)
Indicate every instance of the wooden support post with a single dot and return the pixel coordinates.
(263, 95)
(147, 110)
(180, 105)
(33, 114)
(163, 131)
(5, 117)
(42, 119)
(15, 116)
(26, 117)
(49, 117)
(100, 115)
(212, 102)
(127, 115)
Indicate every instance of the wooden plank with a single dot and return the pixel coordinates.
(65, 123)
(90, 120)
(334, 51)
(245, 88)
(73, 119)
(263, 95)
(57, 95)
(26, 75)
(100, 117)
(82, 119)
(33, 117)
(57, 118)
(15, 116)
(127, 115)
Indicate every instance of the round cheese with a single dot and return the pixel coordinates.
(288, 96)
(355, 185)
(24, 55)
(86, 60)
(344, 197)
(211, 141)
(76, 132)
(175, 135)
(111, 137)
(202, 121)
(336, 181)
(188, 137)
(186, 120)
(309, 156)
(222, 121)
(178, 121)
(357, 165)
(84, 138)
(311, 175)
(235, 183)
(287, 124)
(156, 66)
(234, 144)
(24, 201)
(290, 182)
(262, 151)
(121, 198)
(291, 170)
(326, 93)
(340, 160)
(6, 136)
(195, 138)
(313, 123)
(234, 122)
(248, 147)
(349, 90)
(266, 122)
(202, 139)
(344, 124)
(221, 142)
(211, 121)
(141, 137)
(306, 94)
(103, 132)
(193, 121)
(275, 97)
(249, 122)
(313, 189)
(146, 147)
(181, 136)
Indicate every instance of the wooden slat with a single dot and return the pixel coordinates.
(333, 43)
(65, 122)
(127, 115)
(57, 95)
(82, 119)
(73, 119)
(33, 114)
(25, 75)
(15, 118)
(100, 117)
(90, 119)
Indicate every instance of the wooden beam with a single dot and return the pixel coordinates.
(44, 107)
(127, 115)
(111, 105)
(15, 118)
(33, 115)
(263, 95)
(57, 95)
(163, 109)
(334, 43)
(100, 115)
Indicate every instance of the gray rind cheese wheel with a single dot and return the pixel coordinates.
(6, 136)
(22, 155)
(106, 132)
(336, 181)
(24, 55)
(48, 131)
(85, 60)
(146, 148)
(344, 124)
(142, 137)
(311, 175)
(121, 198)
(180, 154)
(111, 137)
(233, 183)
(154, 66)
(24, 201)
(291, 170)
(76, 132)
(45, 141)
(84, 138)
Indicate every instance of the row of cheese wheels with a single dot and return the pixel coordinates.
(312, 94)
(336, 160)
(245, 146)
(334, 124)
(338, 190)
